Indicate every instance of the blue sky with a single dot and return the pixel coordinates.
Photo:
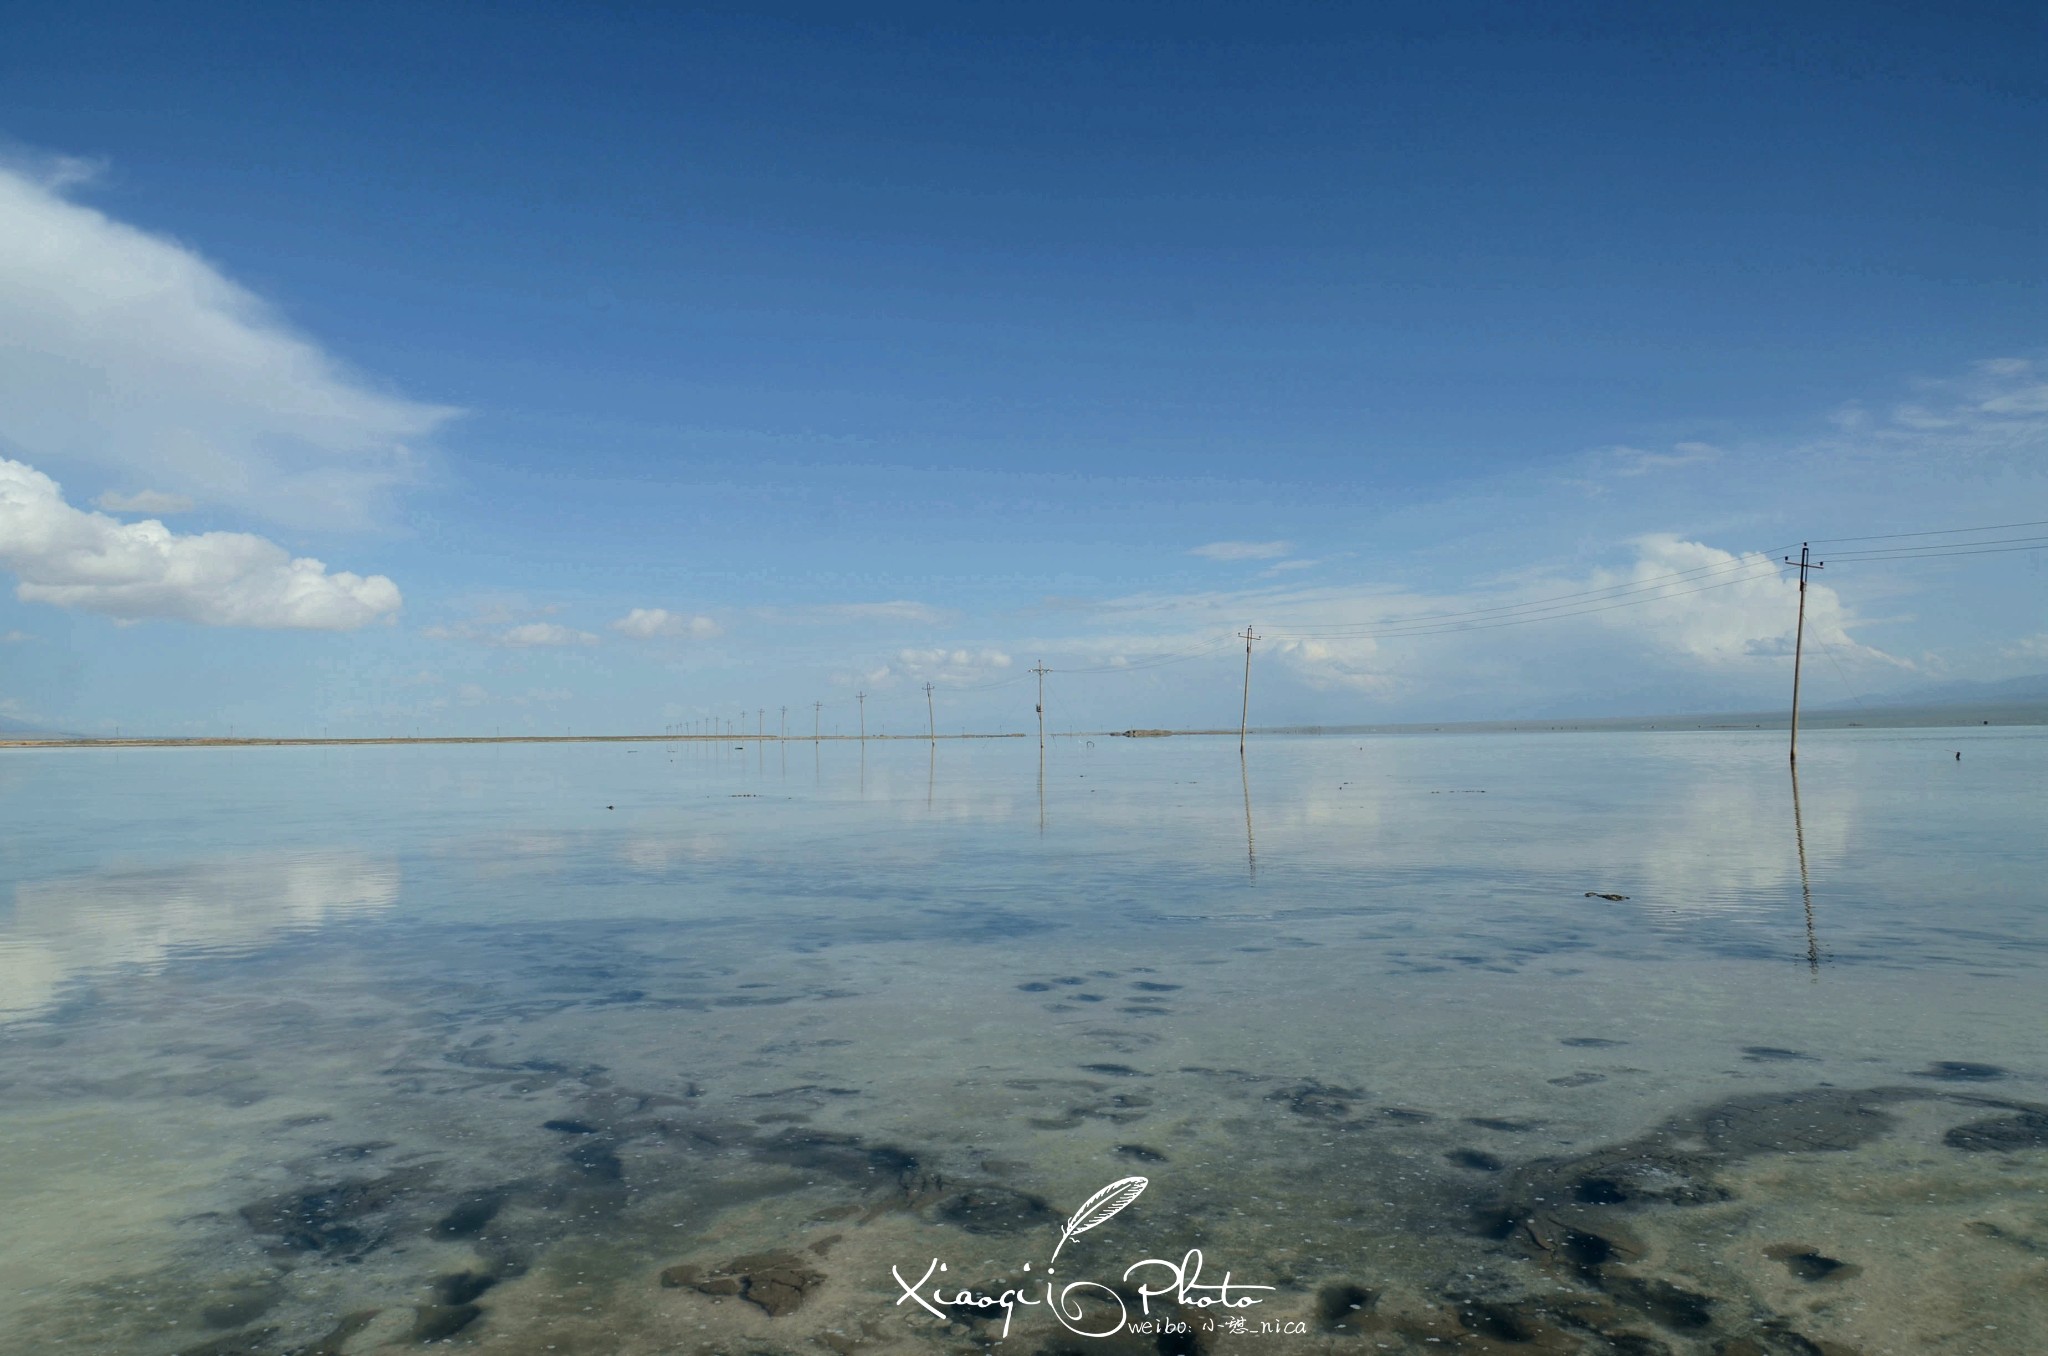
(626, 365)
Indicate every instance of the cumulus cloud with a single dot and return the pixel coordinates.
(1715, 606)
(542, 635)
(645, 623)
(132, 571)
(1352, 665)
(1243, 550)
(129, 353)
(144, 501)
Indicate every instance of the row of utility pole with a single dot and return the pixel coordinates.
(718, 726)
(1806, 564)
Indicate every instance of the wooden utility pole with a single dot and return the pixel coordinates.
(931, 721)
(1244, 713)
(862, 698)
(1799, 640)
(1041, 671)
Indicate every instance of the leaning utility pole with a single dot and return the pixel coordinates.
(1244, 713)
(1799, 641)
(1041, 671)
(931, 721)
(862, 698)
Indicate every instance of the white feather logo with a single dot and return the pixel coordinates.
(1098, 1208)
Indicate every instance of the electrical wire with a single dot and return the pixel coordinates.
(1513, 621)
(1615, 590)
(1557, 607)
(1946, 549)
(1934, 532)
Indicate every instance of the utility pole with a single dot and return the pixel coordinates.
(760, 724)
(931, 721)
(817, 708)
(1041, 670)
(862, 698)
(1799, 641)
(1244, 713)
(782, 725)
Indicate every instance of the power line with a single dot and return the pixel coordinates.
(1555, 607)
(1512, 621)
(1615, 590)
(1151, 662)
(1998, 546)
(1934, 532)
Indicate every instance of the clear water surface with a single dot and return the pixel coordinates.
(682, 1048)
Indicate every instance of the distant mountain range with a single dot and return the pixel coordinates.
(2032, 687)
(21, 729)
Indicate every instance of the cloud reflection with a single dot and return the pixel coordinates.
(69, 926)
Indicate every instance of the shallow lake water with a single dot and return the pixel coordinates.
(696, 1048)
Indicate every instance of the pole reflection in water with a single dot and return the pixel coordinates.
(1805, 881)
(1251, 855)
(1041, 789)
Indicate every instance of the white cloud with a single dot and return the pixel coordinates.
(127, 352)
(1710, 607)
(144, 501)
(535, 635)
(899, 610)
(131, 571)
(2026, 647)
(955, 666)
(1243, 550)
(1634, 461)
(16, 638)
(645, 623)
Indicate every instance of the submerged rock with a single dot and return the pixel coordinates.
(775, 1281)
(1957, 1070)
(469, 1217)
(2000, 1134)
(1317, 1100)
(994, 1210)
(331, 1217)
(1810, 1264)
(433, 1322)
(1345, 1306)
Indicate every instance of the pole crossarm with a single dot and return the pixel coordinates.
(1805, 563)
